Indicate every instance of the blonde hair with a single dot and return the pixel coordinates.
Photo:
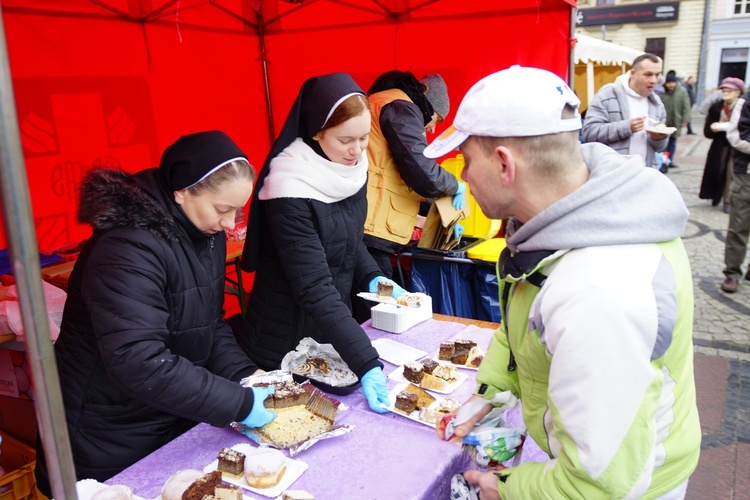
(235, 170)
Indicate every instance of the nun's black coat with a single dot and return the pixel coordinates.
(143, 353)
(308, 255)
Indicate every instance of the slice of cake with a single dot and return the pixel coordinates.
(424, 398)
(463, 346)
(476, 355)
(285, 394)
(203, 486)
(385, 289)
(446, 372)
(447, 350)
(413, 372)
(428, 364)
(226, 491)
(460, 358)
(406, 402)
(410, 300)
(438, 410)
(231, 463)
(434, 383)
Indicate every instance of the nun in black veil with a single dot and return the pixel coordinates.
(304, 238)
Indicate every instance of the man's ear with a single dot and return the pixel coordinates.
(506, 164)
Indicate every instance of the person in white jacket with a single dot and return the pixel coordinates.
(596, 295)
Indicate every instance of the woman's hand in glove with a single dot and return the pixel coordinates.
(259, 416)
(375, 390)
(459, 199)
(373, 286)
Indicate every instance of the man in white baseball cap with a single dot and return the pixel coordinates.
(596, 299)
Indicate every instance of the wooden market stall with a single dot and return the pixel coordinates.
(597, 63)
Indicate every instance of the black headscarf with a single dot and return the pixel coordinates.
(192, 157)
(307, 116)
(404, 80)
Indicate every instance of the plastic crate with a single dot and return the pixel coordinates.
(19, 461)
(476, 225)
(488, 251)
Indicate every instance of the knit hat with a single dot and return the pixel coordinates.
(516, 102)
(733, 83)
(194, 157)
(671, 77)
(437, 94)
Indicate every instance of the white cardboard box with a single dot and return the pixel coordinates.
(397, 319)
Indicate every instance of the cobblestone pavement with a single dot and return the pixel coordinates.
(721, 337)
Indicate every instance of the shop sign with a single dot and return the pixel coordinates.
(638, 13)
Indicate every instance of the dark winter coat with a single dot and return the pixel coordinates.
(718, 158)
(740, 135)
(143, 352)
(311, 256)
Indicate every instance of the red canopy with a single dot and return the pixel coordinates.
(113, 82)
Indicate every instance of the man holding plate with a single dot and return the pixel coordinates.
(621, 113)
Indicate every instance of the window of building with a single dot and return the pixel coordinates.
(742, 6)
(605, 2)
(656, 46)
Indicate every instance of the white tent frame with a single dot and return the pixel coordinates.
(593, 51)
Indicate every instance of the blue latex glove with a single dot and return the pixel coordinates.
(259, 415)
(459, 199)
(458, 230)
(375, 390)
(373, 286)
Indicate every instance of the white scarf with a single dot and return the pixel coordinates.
(299, 172)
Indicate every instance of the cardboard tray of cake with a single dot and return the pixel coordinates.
(304, 414)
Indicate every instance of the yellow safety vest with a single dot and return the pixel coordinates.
(392, 206)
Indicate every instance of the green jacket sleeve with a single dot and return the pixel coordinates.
(493, 375)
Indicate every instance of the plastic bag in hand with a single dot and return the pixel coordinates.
(489, 445)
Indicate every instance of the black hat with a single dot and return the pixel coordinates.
(671, 77)
(194, 157)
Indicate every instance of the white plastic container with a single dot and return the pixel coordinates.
(397, 319)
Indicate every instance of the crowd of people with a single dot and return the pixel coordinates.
(595, 292)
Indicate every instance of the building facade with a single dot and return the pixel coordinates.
(728, 41)
(672, 30)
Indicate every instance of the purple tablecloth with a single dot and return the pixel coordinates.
(386, 456)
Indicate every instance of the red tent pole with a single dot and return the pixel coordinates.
(266, 83)
(24, 254)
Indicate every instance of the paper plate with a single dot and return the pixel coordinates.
(396, 352)
(374, 297)
(294, 469)
(413, 415)
(666, 130)
(398, 376)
